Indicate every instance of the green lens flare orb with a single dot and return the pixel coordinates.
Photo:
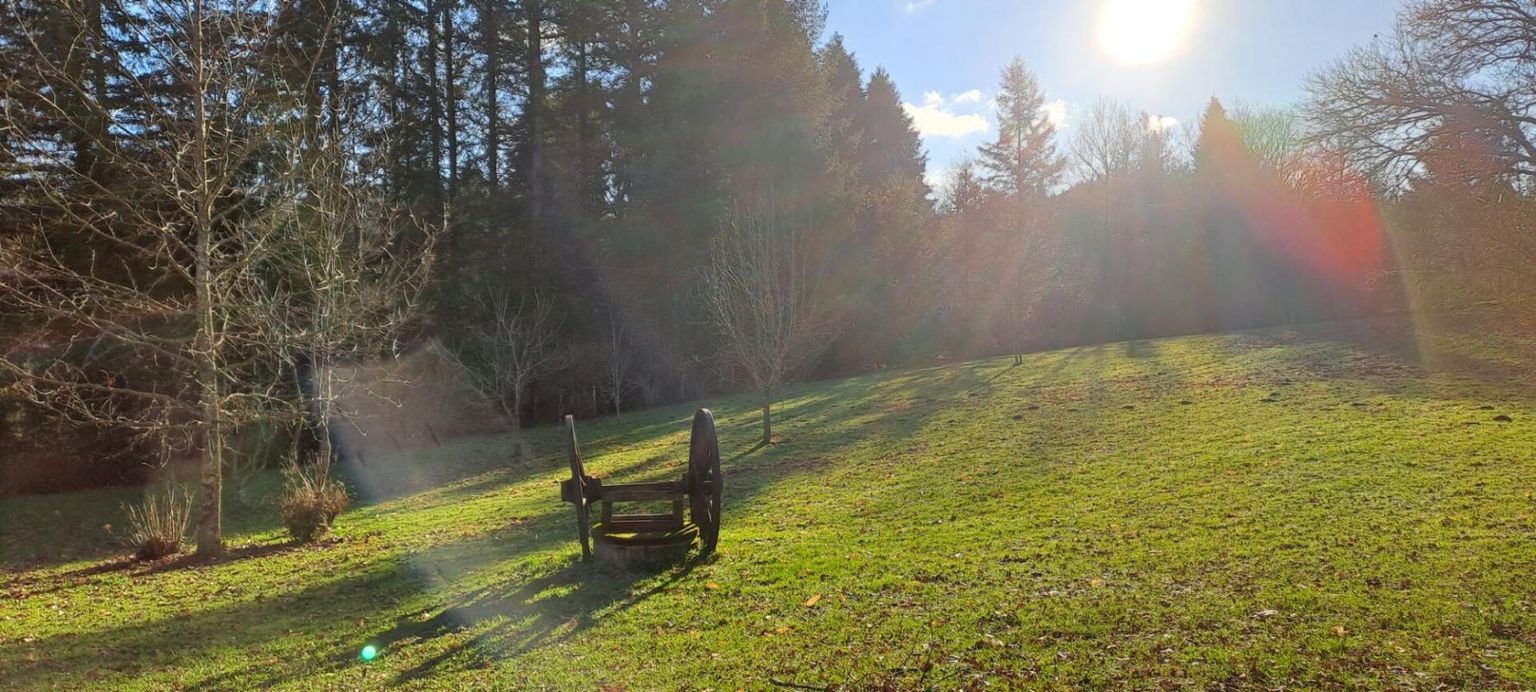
(369, 652)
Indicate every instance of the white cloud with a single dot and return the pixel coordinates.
(935, 119)
(915, 6)
(938, 179)
(1161, 123)
(972, 96)
(1056, 112)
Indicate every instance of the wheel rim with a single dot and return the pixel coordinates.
(579, 479)
(707, 481)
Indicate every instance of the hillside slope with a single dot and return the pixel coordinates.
(1343, 504)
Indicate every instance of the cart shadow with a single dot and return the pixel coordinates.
(503, 622)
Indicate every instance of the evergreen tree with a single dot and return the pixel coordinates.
(890, 150)
(579, 110)
(964, 192)
(1231, 261)
(845, 92)
(1023, 161)
(893, 210)
(630, 40)
(1219, 143)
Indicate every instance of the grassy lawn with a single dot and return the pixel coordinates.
(1330, 505)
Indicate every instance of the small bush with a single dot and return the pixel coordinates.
(311, 502)
(157, 525)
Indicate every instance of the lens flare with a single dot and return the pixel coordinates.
(369, 653)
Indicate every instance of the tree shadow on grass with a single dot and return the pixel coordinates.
(504, 613)
(176, 640)
(1141, 348)
(249, 551)
(1426, 356)
(464, 465)
(135, 567)
(509, 620)
(41, 532)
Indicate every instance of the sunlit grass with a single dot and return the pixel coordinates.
(1304, 507)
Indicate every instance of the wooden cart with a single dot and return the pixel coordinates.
(631, 538)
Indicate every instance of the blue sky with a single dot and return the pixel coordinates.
(945, 56)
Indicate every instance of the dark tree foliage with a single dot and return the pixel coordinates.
(585, 152)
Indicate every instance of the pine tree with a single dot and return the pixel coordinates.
(1023, 161)
(890, 150)
(579, 111)
(1219, 142)
(965, 191)
(631, 45)
(845, 91)
(892, 215)
(1233, 264)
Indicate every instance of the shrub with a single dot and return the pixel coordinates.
(157, 524)
(311, 502)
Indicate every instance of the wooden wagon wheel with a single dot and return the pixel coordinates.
(579, 483)
(705, 482)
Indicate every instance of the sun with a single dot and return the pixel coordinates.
(1142, 32)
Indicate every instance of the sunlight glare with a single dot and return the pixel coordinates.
(1141, 32)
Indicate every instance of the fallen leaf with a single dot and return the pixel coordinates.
(1266, 613)
(1339, 631)
(711, 586)
(812, 600)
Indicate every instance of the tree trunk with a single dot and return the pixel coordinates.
(591, 194)
(81, 59)
(211, 487)
(451, 100)
(333, 37)
(435, 100)
(491, 36)
(533, 111)
(393, 104)
(767, 416)
(505, 409)
(517, 408)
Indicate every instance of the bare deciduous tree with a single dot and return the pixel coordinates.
(619, 350)
(211, 240)
(1115, 142)
(332, 284)
(762, 294)
(514, 342)
(1109, 141)
(1272, 136)
(1467, 64)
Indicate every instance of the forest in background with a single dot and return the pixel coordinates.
(558, 174)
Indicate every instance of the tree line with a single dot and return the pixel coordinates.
(208, 206)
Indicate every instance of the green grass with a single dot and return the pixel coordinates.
(1326, 506)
